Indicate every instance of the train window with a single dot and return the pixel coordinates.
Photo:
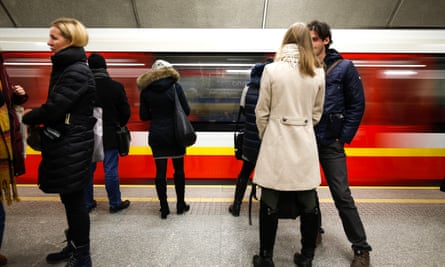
(212, 82)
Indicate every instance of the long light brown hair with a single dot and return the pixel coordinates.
(299, 34)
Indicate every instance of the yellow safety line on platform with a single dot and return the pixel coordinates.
(228, 200)
(350, 151)
(52, 197)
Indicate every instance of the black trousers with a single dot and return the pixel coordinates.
(333, 161)
(77, 217)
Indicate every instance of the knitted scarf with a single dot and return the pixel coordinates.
(289, 53)
(8, 189)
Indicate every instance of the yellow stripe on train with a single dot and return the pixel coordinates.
(352, 152)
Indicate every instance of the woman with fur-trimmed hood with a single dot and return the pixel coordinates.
(157, 102)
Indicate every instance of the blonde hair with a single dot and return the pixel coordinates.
(299, 34)
(73, 30)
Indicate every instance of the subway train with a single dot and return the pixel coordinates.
(401, 140)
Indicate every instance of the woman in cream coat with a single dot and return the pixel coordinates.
(290, 104)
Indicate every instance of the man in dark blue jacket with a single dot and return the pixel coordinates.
(111, 96)
(342, 113)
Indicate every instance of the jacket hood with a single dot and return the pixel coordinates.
(149, 77)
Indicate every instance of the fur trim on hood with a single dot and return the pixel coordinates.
(147, 78)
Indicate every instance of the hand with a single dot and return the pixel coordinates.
(26, 111)
(18, 90)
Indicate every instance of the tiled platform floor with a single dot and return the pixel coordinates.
(405, 226)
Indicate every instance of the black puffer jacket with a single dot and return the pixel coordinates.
(157, 104)
(344, 102)
(112, 98)
(68, 110)
(251, 144)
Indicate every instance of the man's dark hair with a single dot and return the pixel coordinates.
(322, 29)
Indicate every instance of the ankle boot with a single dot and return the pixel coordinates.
(81, 257)
(301, 261)
(241, 185)
(260, 261)
(62, 255)
(161, 190)
(181, 206)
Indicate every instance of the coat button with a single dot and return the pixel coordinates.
(284, 119)
(305, 121)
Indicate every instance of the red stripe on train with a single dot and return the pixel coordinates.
(362, 170)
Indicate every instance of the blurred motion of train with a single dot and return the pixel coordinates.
(401, 140)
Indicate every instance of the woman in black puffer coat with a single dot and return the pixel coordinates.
(157, 105)
(67, 139)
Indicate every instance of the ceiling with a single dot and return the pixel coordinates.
(346, 14)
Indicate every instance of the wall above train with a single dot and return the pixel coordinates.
(348, 14)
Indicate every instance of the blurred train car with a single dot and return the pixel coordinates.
(401, 140)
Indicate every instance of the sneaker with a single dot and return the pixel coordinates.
(93, 206)
(3, 260)
(361, 258)
(124, 204)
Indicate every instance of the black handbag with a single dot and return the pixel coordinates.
(184, 131)
(34, 139)
(238, 137)
(124, 138)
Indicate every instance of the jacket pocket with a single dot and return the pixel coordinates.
(294, 121)
(335, 125)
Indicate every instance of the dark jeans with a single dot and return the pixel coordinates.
(77, 217)
(333, 162)
(112, 182)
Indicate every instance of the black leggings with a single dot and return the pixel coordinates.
(77, 217)
(161, 167)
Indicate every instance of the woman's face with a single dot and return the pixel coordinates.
(56, 41)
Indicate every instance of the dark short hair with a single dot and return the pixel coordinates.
(322, 29)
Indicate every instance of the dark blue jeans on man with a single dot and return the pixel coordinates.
(112, 183)
(333, 161)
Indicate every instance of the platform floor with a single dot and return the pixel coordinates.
(405, 227)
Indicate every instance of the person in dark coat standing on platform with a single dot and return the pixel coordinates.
(158, 87)
(12, 162)
(251, 142)
(67, 139)
(111, 97)
(343, 110)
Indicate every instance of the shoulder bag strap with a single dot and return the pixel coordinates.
(333, 66)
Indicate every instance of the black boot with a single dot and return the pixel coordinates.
(309, 228)
(268, 231)
(81, 257)
(161, 190)
(260, 261)
(241, 185)
(62, 255)
(181, 206)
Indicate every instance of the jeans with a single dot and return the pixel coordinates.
(77, 217)
(333, 161)
(112, 183)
